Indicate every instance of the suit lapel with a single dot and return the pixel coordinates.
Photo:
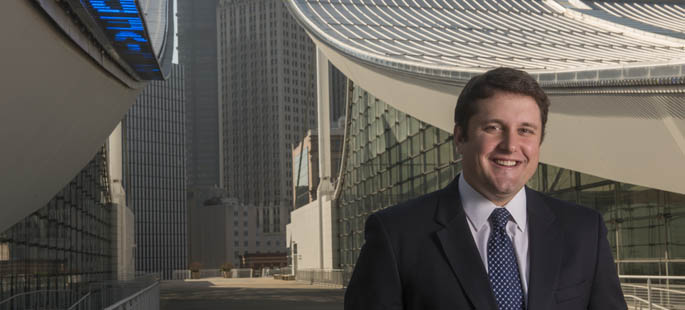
(460, 249)
(545, 239)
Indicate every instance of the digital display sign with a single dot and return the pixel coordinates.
(122, 23)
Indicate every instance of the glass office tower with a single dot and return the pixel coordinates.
(155, 179)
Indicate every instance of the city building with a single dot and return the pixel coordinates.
(615, 133)
(306, 163)
(338, 95)
(155, 175)
(266, 73)
(197, 52)
(239, 227)
(263, 260)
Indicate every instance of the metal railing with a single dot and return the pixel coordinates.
(210, 273)
(40, 299)
(270, 272)
(323, 277)
(146, 299)
(83, 296)
(654, 292)
(242, 273)
(82, 304)
(181, 274)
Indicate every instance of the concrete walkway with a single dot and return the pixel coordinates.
(247, 294)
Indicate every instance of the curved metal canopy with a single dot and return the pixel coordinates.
(449, 38)
(618, 109)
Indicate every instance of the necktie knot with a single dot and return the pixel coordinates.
(500, 217)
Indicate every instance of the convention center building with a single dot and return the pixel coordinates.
(615, 139)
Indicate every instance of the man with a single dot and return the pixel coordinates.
(486, 241)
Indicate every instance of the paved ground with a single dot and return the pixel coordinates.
(247, 294)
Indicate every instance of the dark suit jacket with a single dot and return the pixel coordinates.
(421, 255)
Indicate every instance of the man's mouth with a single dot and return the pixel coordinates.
(506, 163)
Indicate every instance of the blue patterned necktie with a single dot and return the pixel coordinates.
(503, 270)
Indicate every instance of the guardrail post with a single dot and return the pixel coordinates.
(649, 294)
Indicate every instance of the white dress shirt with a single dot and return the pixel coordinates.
(478, 210)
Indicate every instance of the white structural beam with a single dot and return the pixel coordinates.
(123, 223)
(323, 121)
(636, 139)
(57, 108)
(325, 190)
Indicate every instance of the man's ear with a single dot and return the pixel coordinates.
(458, 138)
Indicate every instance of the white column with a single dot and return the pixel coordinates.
(324, 124)
(325, 189)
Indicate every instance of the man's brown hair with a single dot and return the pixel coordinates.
(485, 85)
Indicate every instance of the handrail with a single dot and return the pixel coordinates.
(651, 277)
(79, 301)
(125, 300)
(32, 292)
(645, 301)
(655, 288)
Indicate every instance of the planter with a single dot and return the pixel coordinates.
(194, 274)
(226, 274)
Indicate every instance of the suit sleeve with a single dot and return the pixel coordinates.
(375, 282)
(606, 289)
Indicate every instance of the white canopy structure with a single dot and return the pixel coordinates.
(617, 87)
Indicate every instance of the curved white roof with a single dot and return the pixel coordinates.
(473, 35)
(668, 15)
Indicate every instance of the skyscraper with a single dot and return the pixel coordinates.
(267, 96)
(197, 51)
(155, 175)
(197, 43)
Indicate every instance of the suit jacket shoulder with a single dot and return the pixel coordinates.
(571, 216)
(405, 215)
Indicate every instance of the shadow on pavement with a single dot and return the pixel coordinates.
(205, 295)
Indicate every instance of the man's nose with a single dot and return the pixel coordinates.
(509, 141)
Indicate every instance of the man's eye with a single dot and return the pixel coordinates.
(526, 131)
(491, 128)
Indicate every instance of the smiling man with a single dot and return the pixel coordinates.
(486, 241)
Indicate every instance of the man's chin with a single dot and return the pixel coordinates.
(506, 192)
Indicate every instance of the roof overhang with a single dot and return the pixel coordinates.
(61, 98)
(631, 135)
(616, 119)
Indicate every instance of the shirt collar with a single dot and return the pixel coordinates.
(478, 208)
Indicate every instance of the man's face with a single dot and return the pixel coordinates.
(501, 151)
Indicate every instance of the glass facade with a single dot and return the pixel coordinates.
(63, 248)
(392, 157)
(155, 181)
(645, 225)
